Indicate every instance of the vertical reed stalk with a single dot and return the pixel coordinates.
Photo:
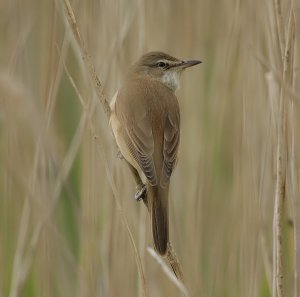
(280, 190)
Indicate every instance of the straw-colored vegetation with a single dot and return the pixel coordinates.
(69, 225)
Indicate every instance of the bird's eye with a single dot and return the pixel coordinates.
(162, 64)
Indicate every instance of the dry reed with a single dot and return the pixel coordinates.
(67, 224)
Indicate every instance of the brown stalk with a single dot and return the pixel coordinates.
(24, 255)
(279, 26)
(116, 194)
(280, 191)
(171, 255)
(294, 162)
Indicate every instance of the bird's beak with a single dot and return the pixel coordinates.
(190, 63)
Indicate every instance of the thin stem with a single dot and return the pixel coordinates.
(173, 261)
(281, 176)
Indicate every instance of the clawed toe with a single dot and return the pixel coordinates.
(141, 193)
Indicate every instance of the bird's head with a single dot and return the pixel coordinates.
(163, 67)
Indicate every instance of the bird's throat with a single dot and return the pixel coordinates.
(171, 79)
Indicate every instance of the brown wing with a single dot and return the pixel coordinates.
(138, 132)
(141, 145)
(171, 144)
(149, 102)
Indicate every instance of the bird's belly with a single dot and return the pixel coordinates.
(118, 133)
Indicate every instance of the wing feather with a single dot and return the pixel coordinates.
(139, 140)
(171, 144)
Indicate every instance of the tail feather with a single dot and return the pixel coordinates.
(158, 198)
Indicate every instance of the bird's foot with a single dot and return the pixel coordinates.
(141, 193)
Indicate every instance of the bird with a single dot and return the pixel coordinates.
(145, 120)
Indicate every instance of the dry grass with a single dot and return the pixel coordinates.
(66, 206)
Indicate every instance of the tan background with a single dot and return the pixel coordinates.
(61, 232)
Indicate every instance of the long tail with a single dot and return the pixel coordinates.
(158, 203)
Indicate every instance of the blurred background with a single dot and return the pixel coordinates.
(61, 228)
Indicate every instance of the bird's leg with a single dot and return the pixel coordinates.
(141, 193)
